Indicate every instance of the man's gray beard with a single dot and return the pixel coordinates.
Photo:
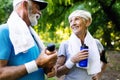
(33, 19)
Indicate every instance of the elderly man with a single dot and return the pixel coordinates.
(22, 54)
(78, 64)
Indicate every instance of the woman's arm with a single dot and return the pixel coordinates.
(60, 67)
(103, 66)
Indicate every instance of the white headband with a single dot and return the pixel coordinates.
(81, 13)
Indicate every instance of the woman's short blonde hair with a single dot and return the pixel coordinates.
(81, 13)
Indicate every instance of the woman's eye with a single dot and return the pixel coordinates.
(70, 21)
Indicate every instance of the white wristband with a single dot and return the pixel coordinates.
(69, 64)
(31, 66)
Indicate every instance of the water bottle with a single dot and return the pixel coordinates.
(83, 63)
(51, 47)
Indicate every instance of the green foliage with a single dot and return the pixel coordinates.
(54, 27)
(5, 10)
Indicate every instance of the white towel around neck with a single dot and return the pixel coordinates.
(20, 34)
(94, 56)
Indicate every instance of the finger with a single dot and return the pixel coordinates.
(49, 52)
(84, 50)
(94, 78)
(51, 74)
(53, 56)
(82, 55)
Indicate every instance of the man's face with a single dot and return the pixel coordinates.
(78, 25)
(33, 13)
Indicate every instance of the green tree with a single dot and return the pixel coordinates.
(54, 27)
(105, 18)
(5, 10)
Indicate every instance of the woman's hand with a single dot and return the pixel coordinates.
(83, 54)
(96, 77)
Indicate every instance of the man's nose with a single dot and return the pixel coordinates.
(39, 12)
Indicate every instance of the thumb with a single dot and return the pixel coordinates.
(53, 56)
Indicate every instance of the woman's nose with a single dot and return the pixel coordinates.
(73, 23)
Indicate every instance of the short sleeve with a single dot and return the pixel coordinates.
(102, 51)
(100, 46)
(62, 49)
(4, 43)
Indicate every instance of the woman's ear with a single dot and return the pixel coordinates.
(88, 23)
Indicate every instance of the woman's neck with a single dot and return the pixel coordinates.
(82, 37)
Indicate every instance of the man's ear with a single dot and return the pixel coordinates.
(24, 12)
(25, 8)
(25, 5)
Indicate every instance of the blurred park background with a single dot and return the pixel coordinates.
(53, 25)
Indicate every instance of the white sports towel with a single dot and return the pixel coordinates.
(20, 35)
(94, 56)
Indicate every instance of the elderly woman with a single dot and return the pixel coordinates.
(69, 54)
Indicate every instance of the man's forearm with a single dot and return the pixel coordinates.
(12, 73)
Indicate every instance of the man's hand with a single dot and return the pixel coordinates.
(46, 59)
(51, 72)
(49, 68)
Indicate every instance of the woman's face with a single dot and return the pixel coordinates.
(78, 25)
